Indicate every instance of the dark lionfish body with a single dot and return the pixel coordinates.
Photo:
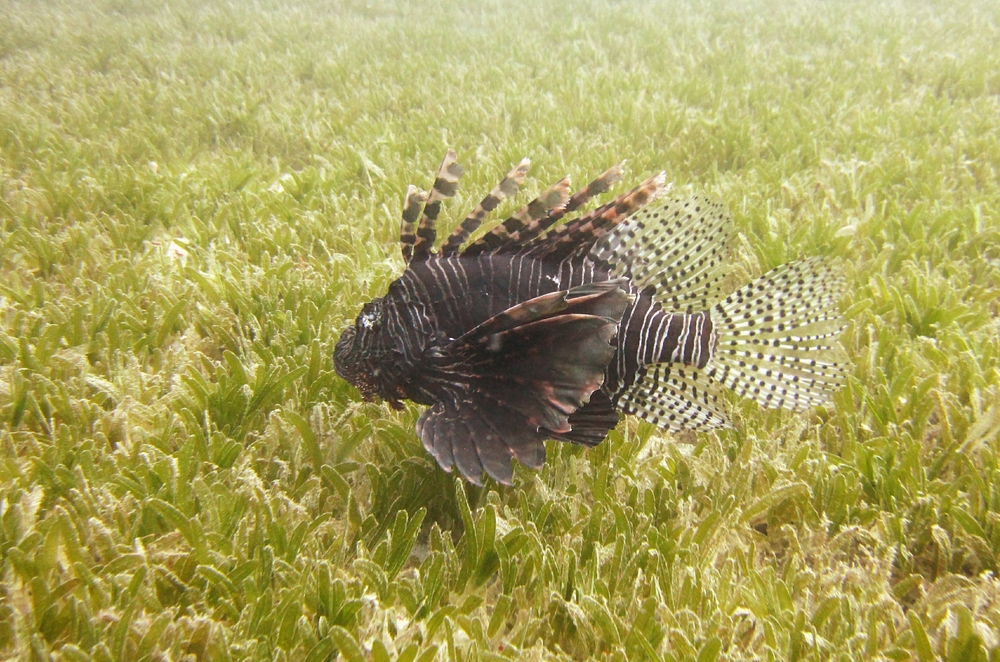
(538, 331)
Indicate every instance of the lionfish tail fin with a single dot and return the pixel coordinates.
(507, 188)
(776, 337)
(445, 186)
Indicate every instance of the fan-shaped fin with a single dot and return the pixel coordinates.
(776, 336)
(516, 379)
(676, 246)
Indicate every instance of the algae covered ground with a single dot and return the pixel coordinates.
(196, 197)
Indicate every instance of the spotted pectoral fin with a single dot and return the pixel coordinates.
(518, 378)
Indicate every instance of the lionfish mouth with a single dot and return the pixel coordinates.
(346, 365)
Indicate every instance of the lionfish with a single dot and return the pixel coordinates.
(537, 331)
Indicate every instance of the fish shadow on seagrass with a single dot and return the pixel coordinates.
(540, 331)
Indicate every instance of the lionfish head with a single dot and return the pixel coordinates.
(367, 356)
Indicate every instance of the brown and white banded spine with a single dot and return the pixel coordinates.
(445, 186)
(507, 188)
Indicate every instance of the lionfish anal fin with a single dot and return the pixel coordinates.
(676, 397)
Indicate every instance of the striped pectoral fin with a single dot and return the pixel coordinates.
(676, 397)
(545, 369)
(522, 386)
(607, 299)
(445, 186)
(477, 434)
(522, 374)
(676, 246)
(777, 336)
(507, 188)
